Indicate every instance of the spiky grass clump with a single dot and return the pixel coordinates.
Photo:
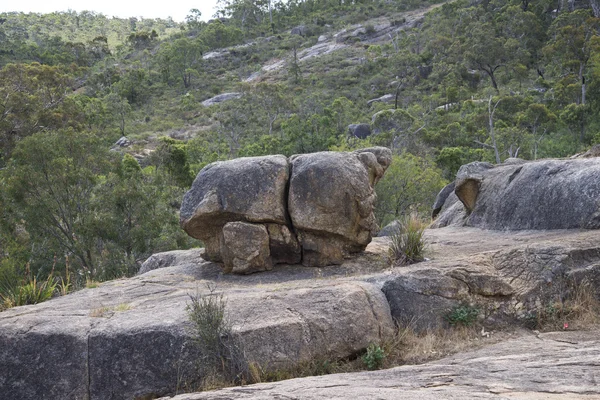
(19, 291)
(408, 244)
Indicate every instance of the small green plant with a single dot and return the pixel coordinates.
(65, 285)
(91, 284)
(222, 357)
(408, 243)
(464, 315)
(373, 358)
(19, 291)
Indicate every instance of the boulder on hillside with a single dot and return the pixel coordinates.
(386, 98)
(360, 131)
(301, 30)
(545, 194)
(314, 209)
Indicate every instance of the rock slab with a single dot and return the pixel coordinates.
(552, 366)
(545, 194)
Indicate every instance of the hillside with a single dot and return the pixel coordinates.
(104, 122)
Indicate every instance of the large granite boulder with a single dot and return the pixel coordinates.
(251, 189)
(314, 208)
(331, 201)
(545, 194)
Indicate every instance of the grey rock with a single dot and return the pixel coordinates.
(386, 98)
(245, 248)
(220, 98)
(249, 189)
(361, 131)
(301, 30)
(331, 201)
(123, 142)
(545, 194)
(441, 198)
(169, 258)
(526, 367)
(389, 229)
(129, 338)
(468, 181)
(284, 246)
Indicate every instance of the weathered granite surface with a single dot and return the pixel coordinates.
(551, 366)
(128, 339)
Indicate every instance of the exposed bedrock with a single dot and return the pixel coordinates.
(312, 208)
(546, 194)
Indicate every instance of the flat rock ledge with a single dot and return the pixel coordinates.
(551, 366)
(129, 338)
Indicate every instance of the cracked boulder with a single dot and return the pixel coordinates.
(313, 209)
(251, 189)
(545, 194)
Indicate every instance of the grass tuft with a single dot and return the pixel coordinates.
(408, 244)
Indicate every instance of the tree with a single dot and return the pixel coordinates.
(50, 181)
(194, 19)
(574, 40)
(271, 100)
(537, 118)
(485, 51)
(183, 58)
(218, 35)
(411, 183)
(32, 98)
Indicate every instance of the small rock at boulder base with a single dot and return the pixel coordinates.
(544, 194)
(245, 248)
(314, 208)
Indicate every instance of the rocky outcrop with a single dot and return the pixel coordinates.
(220, 98)
(360, 131)
(129, 338)
(545, 194)
(301, 30)
(313, 208)
(528, 367)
